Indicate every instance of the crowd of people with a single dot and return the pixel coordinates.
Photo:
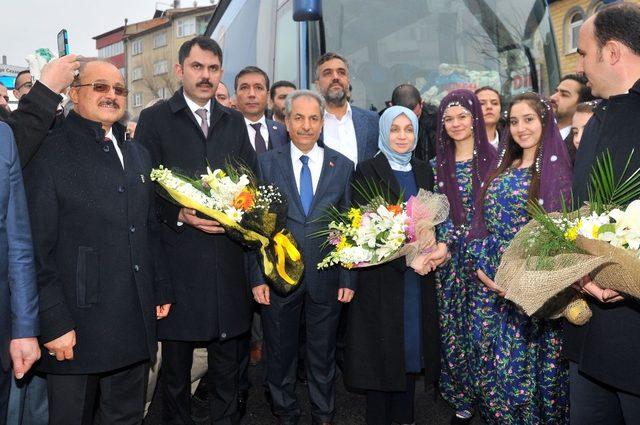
(111, 292)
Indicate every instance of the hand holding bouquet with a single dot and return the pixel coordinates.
(381, 231)
(553, 251)
(251, 214)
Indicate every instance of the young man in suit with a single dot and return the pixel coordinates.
(18, 291)
(312, 178)
(252, 97)
(190, 132)
(102, 284)
(347, 129)
(604, 369)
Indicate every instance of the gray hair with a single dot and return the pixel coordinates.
(288, 103)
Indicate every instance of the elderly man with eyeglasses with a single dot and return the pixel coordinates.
(101, 280)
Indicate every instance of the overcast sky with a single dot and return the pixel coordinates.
(30, 24)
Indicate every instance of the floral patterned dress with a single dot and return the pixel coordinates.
(522, 379)
(454, 283)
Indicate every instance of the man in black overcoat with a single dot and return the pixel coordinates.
(101, 280)
(604, 353)
(189, 132)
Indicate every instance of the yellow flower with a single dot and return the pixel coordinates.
(355, 216)
(595, 231)
(342, 244)
(572, 233)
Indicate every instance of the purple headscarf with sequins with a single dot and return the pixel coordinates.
(484, 154)
(553, 164)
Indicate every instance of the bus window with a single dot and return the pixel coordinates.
(286, 48)
(441, 45)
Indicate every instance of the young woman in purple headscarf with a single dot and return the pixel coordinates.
(463, 160)
(522, 378)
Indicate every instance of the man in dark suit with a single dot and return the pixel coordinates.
(312, 179)
(18, 291)
(347, 129)
(101, 280)
(252, 97)
(604, 369)
(190, 132)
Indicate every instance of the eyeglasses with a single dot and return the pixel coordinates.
(106, 88)
(27, 85)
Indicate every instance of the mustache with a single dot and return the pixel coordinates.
(304, 133)
(205, 83)
(109, 102)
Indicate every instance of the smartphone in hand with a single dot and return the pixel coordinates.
(63, 43)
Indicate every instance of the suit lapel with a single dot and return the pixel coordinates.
(361, 133)
(283, 159)
(328, 170)
(216, 114)
(272, 135)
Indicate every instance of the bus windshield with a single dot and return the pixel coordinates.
(442, 45)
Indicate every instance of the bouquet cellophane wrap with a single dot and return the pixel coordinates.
(279, 257)
(425, 210)
(548, 293)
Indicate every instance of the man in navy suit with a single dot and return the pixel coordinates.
(312, 178)
(348, 129)
(18, 291)
(252, 98)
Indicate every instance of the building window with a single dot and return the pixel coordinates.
(572, 30)
(163, 93)
(160, 40)
(136, 74)
(186, 26)
(111, 50)
(137, 100)
(136, 47)
(160, 67)
(201, 23)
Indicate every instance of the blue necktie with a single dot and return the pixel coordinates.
(306, 186)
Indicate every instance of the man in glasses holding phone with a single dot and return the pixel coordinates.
(101, 280)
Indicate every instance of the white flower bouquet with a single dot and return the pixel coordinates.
(251, 214)
(553, 251)
(381, 231)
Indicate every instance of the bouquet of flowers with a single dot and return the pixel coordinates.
(251, 214)
(553, 251)
(381, 231)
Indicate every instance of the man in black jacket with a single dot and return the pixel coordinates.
(38, 105)
(604, 353)
(100, 274)
(189, 132)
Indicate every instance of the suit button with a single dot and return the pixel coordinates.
(132, 229)
(105, 148)
(223, 335)
(121, 189)
(136, 268)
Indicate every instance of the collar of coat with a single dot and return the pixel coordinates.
(177, 103)
(93, 128)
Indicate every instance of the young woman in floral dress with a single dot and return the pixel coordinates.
(522, 380)
(463, 160)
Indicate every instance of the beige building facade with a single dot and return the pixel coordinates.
(567, 16)
(151, 50)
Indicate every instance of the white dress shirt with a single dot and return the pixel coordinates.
(193, 106)
(115, 145)
(564, 131)
(264, 130)
(496, 140)
(316, 157)
(340, 135)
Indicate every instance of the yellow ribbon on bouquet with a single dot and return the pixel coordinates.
(283, 245)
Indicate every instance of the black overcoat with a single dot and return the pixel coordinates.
(208, 272)
(375, 337)
(608, 346)
(98, 253)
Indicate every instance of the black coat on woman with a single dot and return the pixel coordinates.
(375, 337)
